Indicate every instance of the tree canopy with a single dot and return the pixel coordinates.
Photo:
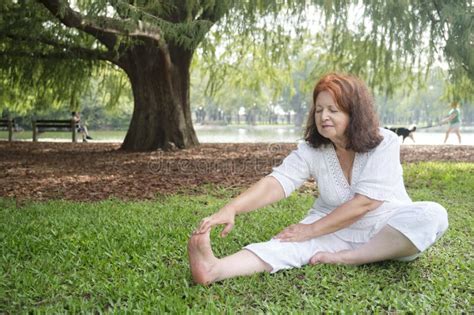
(49, 49)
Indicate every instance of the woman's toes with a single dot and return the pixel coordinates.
(325, 258)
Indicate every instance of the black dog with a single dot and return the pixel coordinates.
(404, 132)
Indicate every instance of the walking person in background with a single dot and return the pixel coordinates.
(454, 119)
(81, 128)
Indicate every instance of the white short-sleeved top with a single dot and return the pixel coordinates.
(376, 174)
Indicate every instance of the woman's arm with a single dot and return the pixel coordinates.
(339, 218)
(266, 191)
(449, 118)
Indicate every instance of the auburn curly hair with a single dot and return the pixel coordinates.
(352, 97)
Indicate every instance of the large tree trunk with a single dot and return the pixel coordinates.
(160, 82)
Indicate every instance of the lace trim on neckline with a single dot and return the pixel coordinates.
(343, 189)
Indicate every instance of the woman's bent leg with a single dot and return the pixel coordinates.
(410, 231)
(206, 268)
(387, 244)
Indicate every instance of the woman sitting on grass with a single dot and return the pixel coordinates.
(363, 214)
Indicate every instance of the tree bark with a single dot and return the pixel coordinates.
(160, 81)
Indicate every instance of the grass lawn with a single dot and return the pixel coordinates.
(60, 256)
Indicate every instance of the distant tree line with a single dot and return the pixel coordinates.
(423, 105)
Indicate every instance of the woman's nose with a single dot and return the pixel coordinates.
(324, 115)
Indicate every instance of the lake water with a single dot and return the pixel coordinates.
(242, 134)
(216, 134)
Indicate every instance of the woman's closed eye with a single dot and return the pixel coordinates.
(331, 109)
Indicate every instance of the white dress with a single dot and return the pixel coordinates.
(376, 174)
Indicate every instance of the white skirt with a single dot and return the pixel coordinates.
(421, 222)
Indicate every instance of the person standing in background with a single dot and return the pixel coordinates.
(454, 119)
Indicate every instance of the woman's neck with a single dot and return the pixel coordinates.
(340, 145)
(344, 152)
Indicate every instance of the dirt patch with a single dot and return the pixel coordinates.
(42, 171)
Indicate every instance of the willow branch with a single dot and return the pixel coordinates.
(65, 48)
(70, 54)
(211, 15)
(105, 29)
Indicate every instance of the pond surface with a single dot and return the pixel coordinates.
(217, 134)
(243, 133)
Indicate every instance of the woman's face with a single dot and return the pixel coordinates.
(331, 122)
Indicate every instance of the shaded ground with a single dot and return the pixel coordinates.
(43, 171)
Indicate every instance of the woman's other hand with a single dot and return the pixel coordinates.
(224, 216)
(296, 233)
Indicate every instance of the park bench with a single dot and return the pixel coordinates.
(9, 125)
(41, 125)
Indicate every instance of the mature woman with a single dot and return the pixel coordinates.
(363, 214)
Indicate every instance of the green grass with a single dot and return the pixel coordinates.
(59, 256)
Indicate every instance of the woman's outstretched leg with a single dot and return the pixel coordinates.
(206, 268)
(387, 244)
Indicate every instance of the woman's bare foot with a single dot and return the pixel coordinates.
(331, 258)
(201, 258)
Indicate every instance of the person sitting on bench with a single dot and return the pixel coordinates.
(80, 127)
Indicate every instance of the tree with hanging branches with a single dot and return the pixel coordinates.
(50, 48)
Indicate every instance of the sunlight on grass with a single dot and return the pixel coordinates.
(63, 256)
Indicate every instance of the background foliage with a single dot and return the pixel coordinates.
(261, 54)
